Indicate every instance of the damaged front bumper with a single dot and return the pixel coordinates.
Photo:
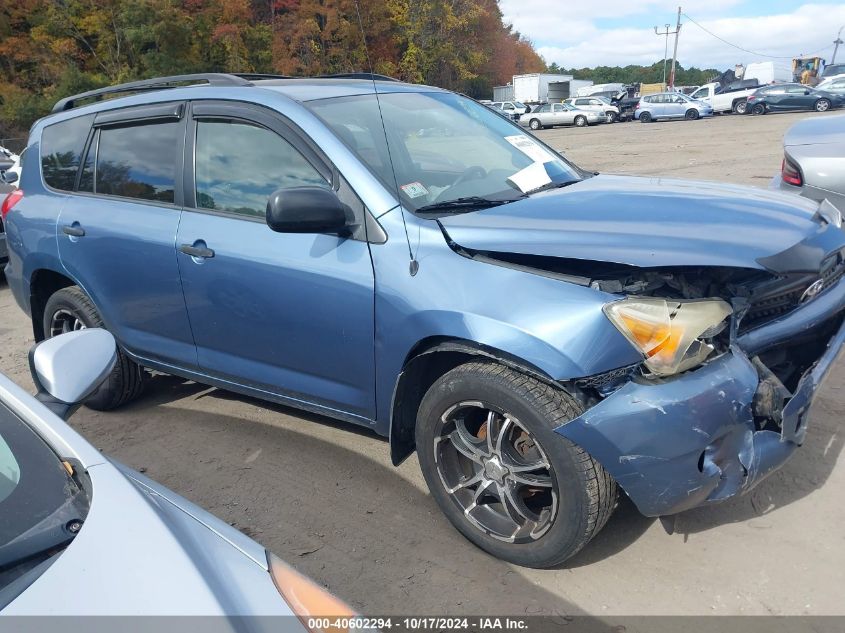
(699, 437)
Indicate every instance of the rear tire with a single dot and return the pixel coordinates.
(580, 121)
(568, 496)
(645, 117)
(534, 124)
(822, 105)
(70, 309)
(740, 107)
(691, 114)
(758, 108)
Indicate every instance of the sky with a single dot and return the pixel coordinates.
(578, 33)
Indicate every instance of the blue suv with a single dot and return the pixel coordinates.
(405, 259)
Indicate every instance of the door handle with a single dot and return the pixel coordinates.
(196, 251)
(73, 231)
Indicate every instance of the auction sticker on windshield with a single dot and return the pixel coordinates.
(414, 190)
(535, 152)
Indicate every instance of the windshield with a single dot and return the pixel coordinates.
(39, 500)
(519, 104)
(443, 148)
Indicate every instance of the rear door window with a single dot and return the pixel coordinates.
(238, 166)
(62, 145)
(139, 161)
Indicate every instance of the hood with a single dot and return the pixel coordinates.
(645, 222)
(143, 550)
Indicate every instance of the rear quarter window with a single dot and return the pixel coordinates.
(62, 145)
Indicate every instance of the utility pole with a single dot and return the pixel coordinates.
(667, 33)
(675, 54)
(837, 42)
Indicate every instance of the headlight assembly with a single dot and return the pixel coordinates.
(671, 334)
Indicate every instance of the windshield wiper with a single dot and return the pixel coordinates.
(467, 203)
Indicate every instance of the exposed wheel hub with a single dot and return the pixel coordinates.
(493, 469)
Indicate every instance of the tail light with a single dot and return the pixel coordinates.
(751, 98)
(788, 171)
(11, 200)
(637, 107)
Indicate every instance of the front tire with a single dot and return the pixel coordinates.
(489, 454)
(70, 309)
(580, 121)
(822, 105)
(534, 124)
(691, 114)
(611, 117)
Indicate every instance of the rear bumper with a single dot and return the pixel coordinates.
(696, 438)
(4, 249)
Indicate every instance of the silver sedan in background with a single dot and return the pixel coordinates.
(81, 534)
(551, 114)
(814, 160)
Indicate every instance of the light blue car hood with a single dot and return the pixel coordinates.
(645, 222)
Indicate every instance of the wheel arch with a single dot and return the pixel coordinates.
(425, 363)
(43, 283)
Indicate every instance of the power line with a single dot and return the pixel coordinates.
(755, 53)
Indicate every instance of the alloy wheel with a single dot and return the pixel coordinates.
(64, 321)
(496, 472)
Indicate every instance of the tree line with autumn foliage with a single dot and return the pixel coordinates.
(53, 48)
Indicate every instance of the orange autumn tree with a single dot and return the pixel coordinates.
(52, 48)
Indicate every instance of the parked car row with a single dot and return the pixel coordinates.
(703, 102)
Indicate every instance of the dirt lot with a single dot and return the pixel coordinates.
(324, 496)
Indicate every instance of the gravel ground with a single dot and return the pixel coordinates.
(324, 496)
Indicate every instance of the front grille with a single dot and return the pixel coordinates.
(784, 293)
(831, 276)
(773, 305)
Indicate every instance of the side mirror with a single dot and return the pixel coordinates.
(68, 369)
(307, 210)
(9, 177)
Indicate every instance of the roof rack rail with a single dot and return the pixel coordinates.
(159, 83)
(258, 76)
(370, 76)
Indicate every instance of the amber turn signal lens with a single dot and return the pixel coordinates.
(307, 599)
